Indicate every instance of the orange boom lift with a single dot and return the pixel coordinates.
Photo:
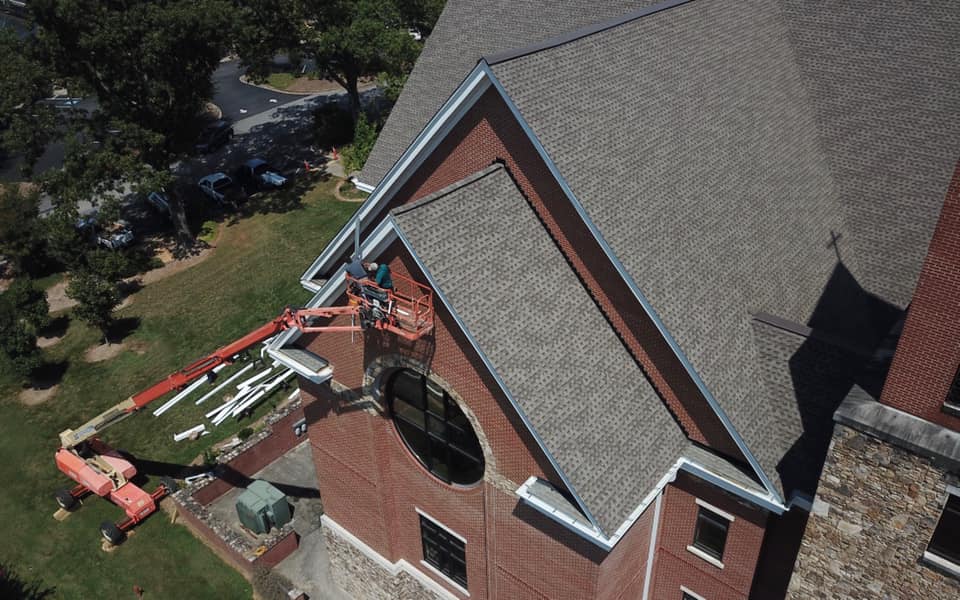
(405, 310)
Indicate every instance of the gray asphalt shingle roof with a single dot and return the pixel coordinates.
(694, 139)
(466, 31)
(585, 396)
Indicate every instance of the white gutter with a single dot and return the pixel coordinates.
(647, 307)
(767, 502)
(436, 130)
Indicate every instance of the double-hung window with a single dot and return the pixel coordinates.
(944, 548)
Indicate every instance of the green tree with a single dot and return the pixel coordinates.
(96, 296)
(21, 232)
(364, 137)
(150, 65)
(18, 342)
(348, 39)
(421, 15)
(26, 124)
(29, 304)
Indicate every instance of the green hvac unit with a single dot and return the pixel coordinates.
(262, 506)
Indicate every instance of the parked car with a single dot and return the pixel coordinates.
(258, 173)
(113, 236)
(159, 201)
(214, 136)
(217, 186)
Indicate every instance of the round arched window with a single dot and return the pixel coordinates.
(434, 428)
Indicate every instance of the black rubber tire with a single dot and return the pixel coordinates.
(112, 533)
(65, 499)
(170, 484)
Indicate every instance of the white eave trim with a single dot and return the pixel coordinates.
(641, 298)
(607, 543)
(436, 130)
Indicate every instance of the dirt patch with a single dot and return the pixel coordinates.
(36, 396)
(172, 265)
(138, 346)
(57, 297)
(46, 342)
(103, 352)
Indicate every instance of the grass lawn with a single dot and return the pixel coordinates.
(281, 81)
(250, 277)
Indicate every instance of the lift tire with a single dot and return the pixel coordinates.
(65, 499)
(112, 533)
(170, 484)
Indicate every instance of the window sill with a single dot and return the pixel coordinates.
(705, 556)
(941, 564)
(445, 579)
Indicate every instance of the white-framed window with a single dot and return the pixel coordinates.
(943, 551)
(687, 594)
(444, 552)
(710, 533)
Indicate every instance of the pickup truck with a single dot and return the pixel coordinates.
(260, 174)
(218, 187)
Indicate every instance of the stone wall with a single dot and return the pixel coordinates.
(360, 577)
(872, 518)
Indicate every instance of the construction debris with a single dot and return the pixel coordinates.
(192, 433)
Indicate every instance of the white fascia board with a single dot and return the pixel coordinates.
(641, 298)
(493, 372)
(465, 96)
(588, 533)
(766, 502)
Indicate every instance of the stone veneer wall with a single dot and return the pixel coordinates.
(874, 513)
(361, 577)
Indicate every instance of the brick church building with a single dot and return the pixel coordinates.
(664, 242)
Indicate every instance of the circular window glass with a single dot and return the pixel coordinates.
(434, 428)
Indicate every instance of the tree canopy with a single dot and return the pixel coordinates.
(347, 39)
(26, 124)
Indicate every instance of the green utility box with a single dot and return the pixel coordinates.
(263, 506)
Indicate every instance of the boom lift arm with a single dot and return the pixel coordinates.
(405, 310)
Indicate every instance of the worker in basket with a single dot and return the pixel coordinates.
(379, 304)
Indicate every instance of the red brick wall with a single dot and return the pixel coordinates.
(487, 133)
(674, 565)
(279, 442)
(928, 352)
(622, 572)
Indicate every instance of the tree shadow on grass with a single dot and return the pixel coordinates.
(48, 374)
(57, 327)
(13, 587)
(121, 328)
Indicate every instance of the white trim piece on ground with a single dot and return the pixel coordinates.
(224, 384)
(652, 547)
(184, 393)
(465, 96)
(254, 379)
(199, 429)
(392, 568)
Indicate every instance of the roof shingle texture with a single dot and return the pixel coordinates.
(466, 31)
(586, 398)
(686, 136)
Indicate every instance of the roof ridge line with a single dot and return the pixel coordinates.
(583, 32)
(448, 189)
